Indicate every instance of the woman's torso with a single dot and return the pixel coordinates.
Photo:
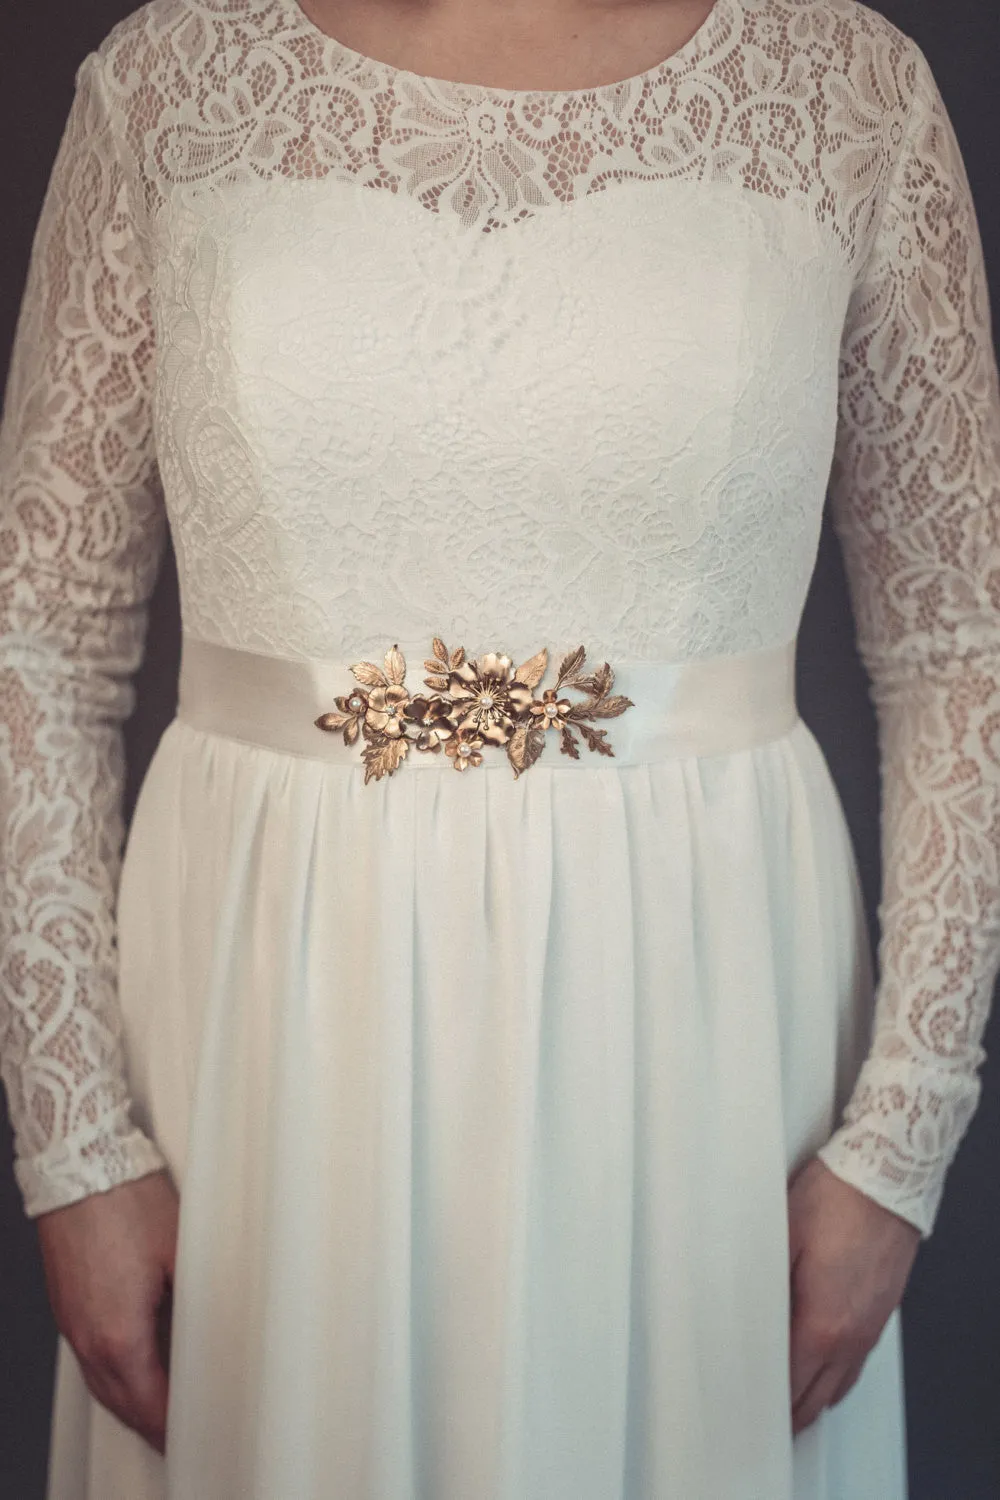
(515, 368)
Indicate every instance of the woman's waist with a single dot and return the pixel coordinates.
(428, 705)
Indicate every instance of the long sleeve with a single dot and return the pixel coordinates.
(915, 502)
(82, 532)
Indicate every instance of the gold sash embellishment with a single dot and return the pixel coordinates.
(472, 704)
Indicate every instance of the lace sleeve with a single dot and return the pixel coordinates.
(82, 532)
(915, 502)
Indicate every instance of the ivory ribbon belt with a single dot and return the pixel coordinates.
(702, 706)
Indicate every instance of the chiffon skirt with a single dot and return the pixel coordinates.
(482, 1095)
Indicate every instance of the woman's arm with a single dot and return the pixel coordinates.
(82, 531)
(915, 502)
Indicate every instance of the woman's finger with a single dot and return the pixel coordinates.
(136, 1397)
(813, 1347)
(807, 1366)
(131, 1381)
(827, 1390)
(848, 1383)
(146, 1381)
(819, 1395)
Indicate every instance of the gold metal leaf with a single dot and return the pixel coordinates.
(350, 731)
(440, 650)
(332, 721)
(383, 757)
(531, 672)
(524, 747)
(395, 666)
(596, 739)
(457, 658)
(609, 708)
(433, 666)
(570, 665)
(439, 684)
(568, 744)
(368, 674)
(599, 684)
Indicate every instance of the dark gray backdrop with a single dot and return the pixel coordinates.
(952, 1306)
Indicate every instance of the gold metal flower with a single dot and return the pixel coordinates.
(385, 709)
(472, 704)
(351, 710)
(465, 748)
(426, 722)
(552, 712)
(487, 698)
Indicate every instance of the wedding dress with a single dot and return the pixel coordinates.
(482, 1090)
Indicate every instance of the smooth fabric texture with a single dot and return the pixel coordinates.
(482, 1094)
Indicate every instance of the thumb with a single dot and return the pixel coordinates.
(164, 1328)
(169, 1261)
(148, 1386)
(795, 1236)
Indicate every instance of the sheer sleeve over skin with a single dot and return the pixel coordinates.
(915, 500)
(82, 531)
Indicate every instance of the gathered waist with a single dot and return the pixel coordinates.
(701, 706)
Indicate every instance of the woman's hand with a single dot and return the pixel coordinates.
(109, 1267)
(850, 1261)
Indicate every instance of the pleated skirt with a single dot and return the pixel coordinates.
(481, 1096)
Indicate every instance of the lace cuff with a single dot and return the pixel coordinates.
(73, 1168)
(902, 1128)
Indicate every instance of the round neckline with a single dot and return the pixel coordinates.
(678, 59)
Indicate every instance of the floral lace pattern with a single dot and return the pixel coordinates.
(183, 351)
(485, 701)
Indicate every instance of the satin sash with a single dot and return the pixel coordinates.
(702, 706)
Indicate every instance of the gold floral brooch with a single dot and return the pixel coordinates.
(472, 704)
